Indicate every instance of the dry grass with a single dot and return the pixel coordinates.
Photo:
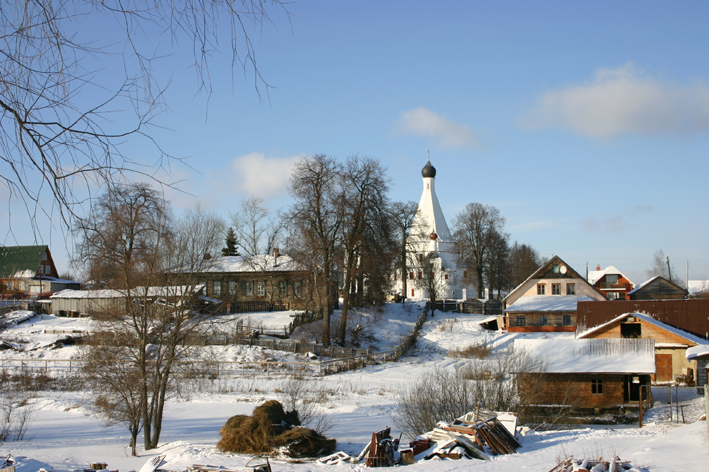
(474, 351)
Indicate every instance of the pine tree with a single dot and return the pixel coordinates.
(231, 248)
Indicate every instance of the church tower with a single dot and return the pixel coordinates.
(432, 261)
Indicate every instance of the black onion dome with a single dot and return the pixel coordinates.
(428, 171)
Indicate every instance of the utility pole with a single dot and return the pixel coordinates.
(669, 272)
(687, 287)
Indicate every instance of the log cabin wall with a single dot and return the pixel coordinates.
(575, 390)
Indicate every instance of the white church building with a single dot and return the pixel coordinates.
(433, 262)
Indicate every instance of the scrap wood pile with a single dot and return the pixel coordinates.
(599, 465)
(271, 430)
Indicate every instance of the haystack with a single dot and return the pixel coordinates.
(271, 429)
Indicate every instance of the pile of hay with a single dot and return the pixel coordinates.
(270, 429)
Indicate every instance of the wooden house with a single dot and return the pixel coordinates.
(30, 270)
(699, 354)
(671, 344)
(586, 374)
(547, 300)
(658, 288)
(611, 282)
(257, 283)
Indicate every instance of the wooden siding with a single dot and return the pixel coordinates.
(575, 390)
(555, 322)
(689, 315)
(659, 289)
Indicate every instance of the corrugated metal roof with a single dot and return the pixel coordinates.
(20, 261)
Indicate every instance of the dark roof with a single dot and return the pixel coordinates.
(15, 259)
(428, 170)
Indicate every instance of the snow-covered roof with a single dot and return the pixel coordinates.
(547, 303)
(595, 275)
(609, 356)
(648, 319)
(56, 280)
(643, 284)
(164, 291)
(697, 286)
(697, 351)
(259, 263)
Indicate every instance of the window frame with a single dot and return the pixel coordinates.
(217, 287)
(297, 288)
(249, 289)
(521, 320)
(282, 289)
(597, 386)
(571, 289)
(231, 287)
(541, 289)
(566, 320)
(543, 320)
(260, 289)
(556, 289)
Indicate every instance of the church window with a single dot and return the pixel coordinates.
(420, 257)
(420, 275)
(412, 292)
(411, 275)
(446, 276)
(541, 289)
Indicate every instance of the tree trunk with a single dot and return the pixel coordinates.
(481, 286)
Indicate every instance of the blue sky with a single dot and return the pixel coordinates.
(586, 124)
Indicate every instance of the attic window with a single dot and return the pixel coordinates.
(630, 330)
(556, 268)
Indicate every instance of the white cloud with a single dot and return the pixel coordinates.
(263, 176)
(616, 223)
(424, 122)
(623, 101)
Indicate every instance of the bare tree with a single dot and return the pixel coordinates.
(524, 260)
(57, 145)
(132, 243)
(364, 200)
(316, 218)
(497, 267)
(661, 266)
(258, 229)
(475, 229)
(401, 215)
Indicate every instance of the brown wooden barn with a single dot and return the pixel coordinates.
(658, 288)
(671, 344)
(587, 374)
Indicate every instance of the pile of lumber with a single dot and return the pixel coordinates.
(485, 435)
(595, 465)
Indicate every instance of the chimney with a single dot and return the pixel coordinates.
(275, 256)
(598, 267)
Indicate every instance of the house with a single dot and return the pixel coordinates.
(611, 282)
(658, 288)
(547, 300)
(671, 344)
(91, 302)
(30, 270)
(700, 356)
(586, 374)
(256, 283)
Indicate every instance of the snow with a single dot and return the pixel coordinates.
(697, 351)
(628, 356)
(258, 263)
(595, 275)
(65, 436)
(547, 303)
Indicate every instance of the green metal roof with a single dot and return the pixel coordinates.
(14, 259)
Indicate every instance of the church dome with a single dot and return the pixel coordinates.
(428, 171)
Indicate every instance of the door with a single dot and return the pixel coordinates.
(663, 367)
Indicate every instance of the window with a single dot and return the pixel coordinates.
(543, 320)
(597, 386)
(217, 287)
(260, 289)
(446, 277)
(44, 256)
(412, 292)
(232, 287)
(249, 288)
(296, 288)
(631, 330)
(556, 289)
(612, 279)
(571, 289)
(47, 269)
(41, 269)
(394, 275)
(420, 275)
(612, 295)
(541, 289)
(521, 320)
(556, 268)
(420, 257)
(282, 290)
(567, 320)
(411, 275)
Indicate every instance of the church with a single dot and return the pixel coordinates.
(432, 254)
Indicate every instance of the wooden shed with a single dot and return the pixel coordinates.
(587, 374)
(671, 344)
(658, 288)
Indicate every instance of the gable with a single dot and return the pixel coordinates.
(554, 271)
(649, 328)
(21, 261)
(657, 288)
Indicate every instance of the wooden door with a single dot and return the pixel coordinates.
(663, 367)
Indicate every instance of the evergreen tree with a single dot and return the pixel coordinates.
(231, 248)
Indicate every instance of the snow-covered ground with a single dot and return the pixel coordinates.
(64, 436)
